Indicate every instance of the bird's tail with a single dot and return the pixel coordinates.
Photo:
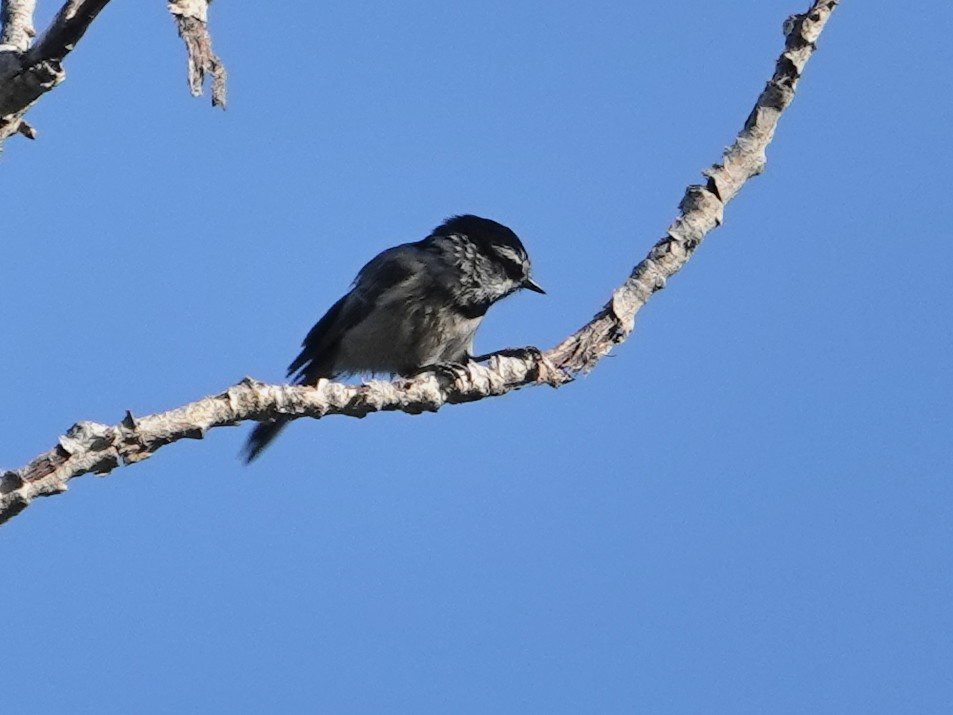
(261, 437)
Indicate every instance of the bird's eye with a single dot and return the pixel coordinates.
(513, 265)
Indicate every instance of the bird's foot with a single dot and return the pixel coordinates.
(521, 353)
(451, 370)
(545, 371)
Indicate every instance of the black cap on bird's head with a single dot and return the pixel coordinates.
(495, 240)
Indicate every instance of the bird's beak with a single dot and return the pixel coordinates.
(533, 286)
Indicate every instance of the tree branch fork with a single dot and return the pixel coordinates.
(29, 70)
(90, 447)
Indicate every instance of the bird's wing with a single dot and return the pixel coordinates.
(318, 349)
(320, 346)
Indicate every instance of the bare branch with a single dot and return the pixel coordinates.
(16, 24)
(91, 447)
(67, 28)
(191, 17)
(702, 207)
(26, 74)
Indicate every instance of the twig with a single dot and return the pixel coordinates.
(90, 447)
(191, 17)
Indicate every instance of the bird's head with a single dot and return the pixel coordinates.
(489, 257)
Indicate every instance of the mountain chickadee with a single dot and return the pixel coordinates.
(413, 305)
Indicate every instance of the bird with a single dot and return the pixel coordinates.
(412, 306)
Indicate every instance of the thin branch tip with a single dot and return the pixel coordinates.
(191, 18)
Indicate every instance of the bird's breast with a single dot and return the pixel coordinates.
(403, 337)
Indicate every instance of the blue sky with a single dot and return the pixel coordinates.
(748, 508)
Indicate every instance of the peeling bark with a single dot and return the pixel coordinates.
(191, 17)
(90, 447)
(16, 25)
